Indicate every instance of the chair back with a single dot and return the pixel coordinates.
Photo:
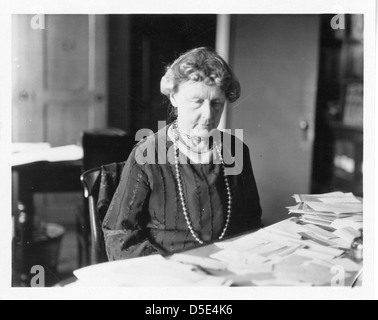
(101, 146)
(105, 146)
(100, 184)
(91, 180)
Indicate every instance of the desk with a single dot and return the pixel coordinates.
(46, 176)
(42, 176)
(306, 265)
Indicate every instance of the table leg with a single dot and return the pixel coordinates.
(23, 218)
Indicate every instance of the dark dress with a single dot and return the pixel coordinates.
(146, 215)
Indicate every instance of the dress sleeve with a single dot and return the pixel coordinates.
(252, 209)
(124, 226)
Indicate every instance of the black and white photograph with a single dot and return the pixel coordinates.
(223, 150)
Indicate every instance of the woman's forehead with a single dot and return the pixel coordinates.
(200, 90)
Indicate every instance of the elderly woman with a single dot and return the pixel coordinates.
(190, 199)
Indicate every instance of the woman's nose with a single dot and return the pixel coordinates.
(206, 110)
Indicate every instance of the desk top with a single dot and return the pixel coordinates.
(273, 256)
(27, 154)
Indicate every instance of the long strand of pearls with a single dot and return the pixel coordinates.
(181, 189)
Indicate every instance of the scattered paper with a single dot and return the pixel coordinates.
(205, 263)
(292, 236)
(315, 197)
(348, 234)
(276, 250)
(281, 282)
(150, 271)
(319, 218)
(267, 236)
(313, 254)
(347, 264)
(339, 208)
(256, 268)
(318, 275)
(320, 232)
(331, 252)
(328, 215)
(287, 228)
(314, 237)
(244, 243)
(342, 244)
(291, 261)
(239, 257)
(316, 222)
(356, 218)
(340, 200)
(324, 263)
(344, 223)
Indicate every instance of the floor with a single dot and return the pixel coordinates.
(62, 209)
(68, 257)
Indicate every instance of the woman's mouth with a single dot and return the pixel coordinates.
(205, 126)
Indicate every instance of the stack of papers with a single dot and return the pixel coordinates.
(331, 216)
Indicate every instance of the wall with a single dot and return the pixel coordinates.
(276, 60)
(119, 114)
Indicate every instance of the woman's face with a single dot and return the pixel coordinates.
(199, 107)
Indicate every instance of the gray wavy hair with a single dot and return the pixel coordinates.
(202, 65)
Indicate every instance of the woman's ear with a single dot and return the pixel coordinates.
(173, 100)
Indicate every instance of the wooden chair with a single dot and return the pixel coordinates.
(91, 180)
(109, 145)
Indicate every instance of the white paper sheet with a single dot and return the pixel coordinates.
(308, 235)
(65, 153)
(320, 232)
(29, 147)
(314, 255)
(244, 243)
(151, 271)
(206, 263)
(242, 258)
(316, 222)
(332, 252)
(336, 208)
(255, 268)
(326, 196)
(281, 282)
(342, 244)
(348, 234)
(347, 264)
(340, 200)
(324, 263)
(344, 223)
(242, 263)
(288, 228)
(273, 249)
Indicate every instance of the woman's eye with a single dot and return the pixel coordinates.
(217, 105)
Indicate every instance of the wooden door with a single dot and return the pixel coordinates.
(59, 78)
(59, 90)
(276, 60)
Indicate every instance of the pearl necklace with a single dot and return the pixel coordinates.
(188, 136)
(181, 189)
